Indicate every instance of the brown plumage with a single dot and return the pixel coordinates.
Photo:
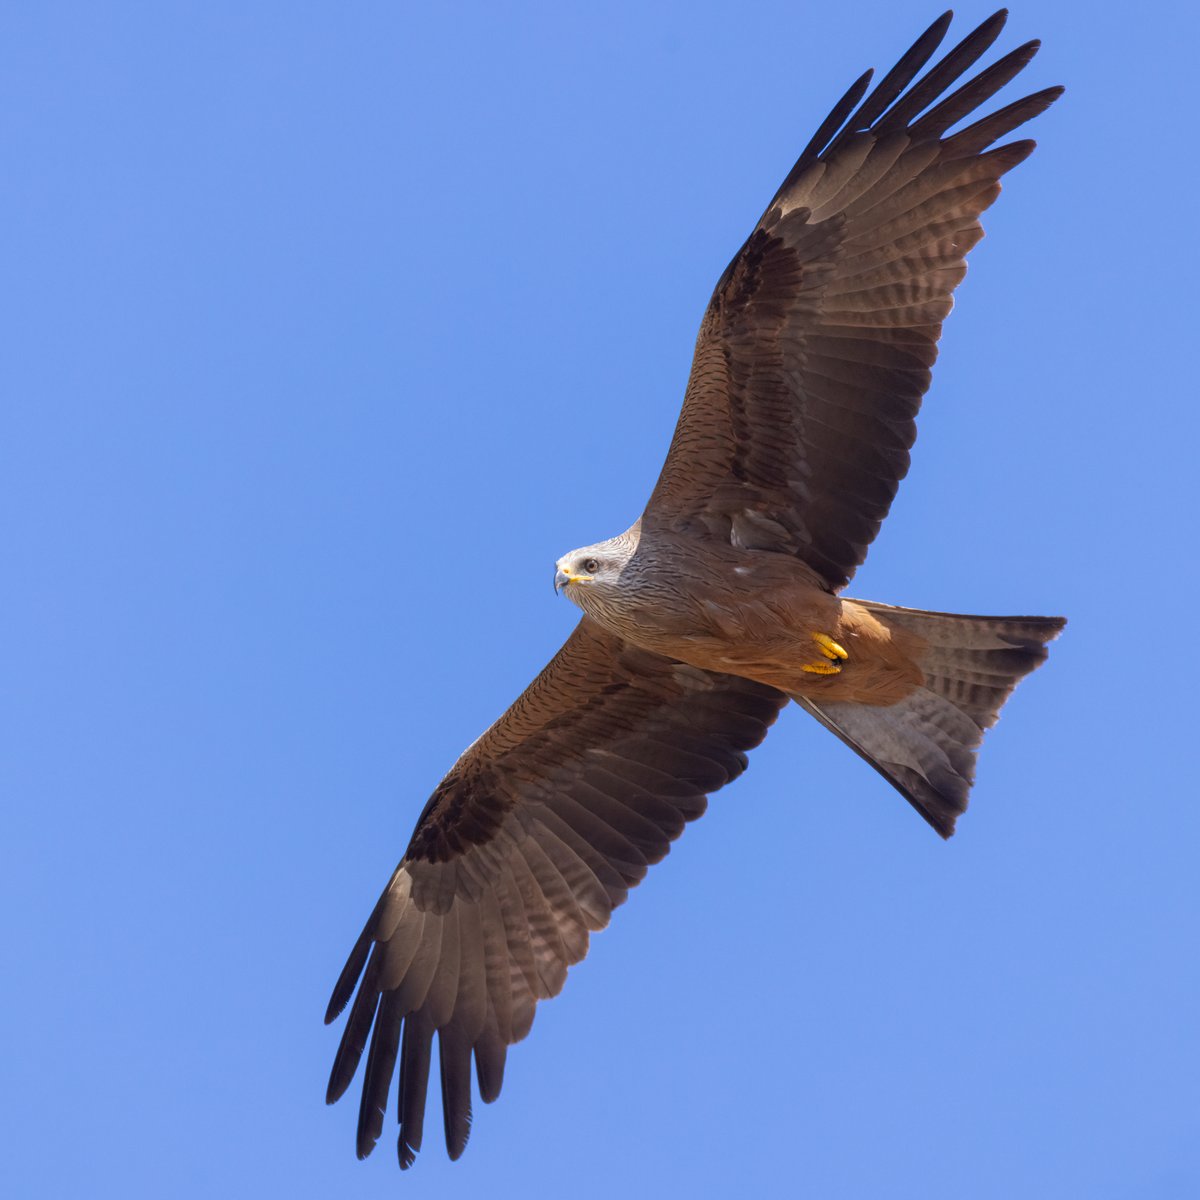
(720, 604)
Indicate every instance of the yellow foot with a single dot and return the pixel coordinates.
(821, 669)
(829, 647)
(832, 651)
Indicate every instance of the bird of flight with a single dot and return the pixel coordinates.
(721, 603)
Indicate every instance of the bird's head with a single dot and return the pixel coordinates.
(591, 574)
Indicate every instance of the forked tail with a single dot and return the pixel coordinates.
(926, 745)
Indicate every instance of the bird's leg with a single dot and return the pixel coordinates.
(832, 651)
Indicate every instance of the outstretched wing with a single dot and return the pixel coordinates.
(527, 845)
(816, 347)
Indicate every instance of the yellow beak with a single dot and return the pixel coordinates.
(562, 578)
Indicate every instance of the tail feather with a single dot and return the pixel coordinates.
(927, 744)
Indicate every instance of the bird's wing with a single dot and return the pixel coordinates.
(527, 845)
(816, 347)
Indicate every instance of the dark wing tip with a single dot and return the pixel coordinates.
(835, 120)
(988, 30)
(348, 979)
(454, 1054)
(337, 1002)
(490, 1055)
(455, 1147)
(936, 31)
(925, 107)
(345, 1066)
(898, 78)
(417, 1041)
(1023, 54)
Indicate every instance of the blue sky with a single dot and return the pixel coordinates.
(328, 328)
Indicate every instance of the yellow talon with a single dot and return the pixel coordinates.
(821, 668)
(829, 647)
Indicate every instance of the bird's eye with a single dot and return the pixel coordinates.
(591, 566)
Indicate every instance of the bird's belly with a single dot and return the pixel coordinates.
(776, 640)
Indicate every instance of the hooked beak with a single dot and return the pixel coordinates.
(562, 578)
